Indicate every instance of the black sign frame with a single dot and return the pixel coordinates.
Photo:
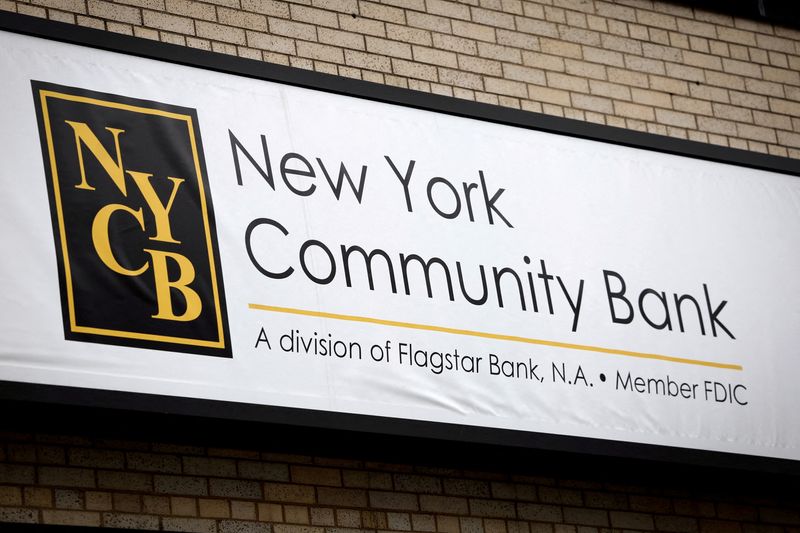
(79, 398)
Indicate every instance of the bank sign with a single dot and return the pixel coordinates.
(182, 232)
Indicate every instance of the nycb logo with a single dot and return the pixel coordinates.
(133, 222)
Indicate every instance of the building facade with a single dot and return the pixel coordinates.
(657, 67)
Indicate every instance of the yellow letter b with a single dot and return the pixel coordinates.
(163, 285)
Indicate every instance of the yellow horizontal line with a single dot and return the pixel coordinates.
(496, 336)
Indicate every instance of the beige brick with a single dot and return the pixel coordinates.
(190, 8)
(694, 27)
(525, 74)
(367, 61)
(658, 20)
(35, 11)
(610, 90)
(269, 512)
(483, 66)
(728, 81)
(555, 14)
(454, 10)
(316, 475)
(274, 8)
(172, 38)
(715, 125)
(702, 60)
(37, 497)
(457, 78)
(764, 87)
(273, 43)
(428, 22)
(621, 44)
(71, 518)
(615, 11)
(243, 510)
(130, 521)
(376, 28)
(719, 48)
(772, 120)
(409, 35)
(741, 68)
(756, 133)
(616, 27)
(784, 107)
(578, 35)
(69, 18)
(147, 4)
(343, 39)
(781, 75)
(567, 82)
(707, 92)
(242, 19)
(150, 504)
(729, 112)
(74, 6)
(789, 138)
(651, 98)
(518, 40)
(342, 497)
(604, 57)
(691, 105)
(423, 522)
(116, 12)
(699, 44)
(164, 21)
(675, 118)
(642, 64)
(470, 30)
(10, 496)
(386, 47)
(543, 61)
(447, 524)
(65, 477)
(311, 15)
(587, 517)
(295, 514)
(142, 33)
(779, 151)
(295, 30)
(770, 42)
(500, 53)
(492, 18)
(626, 77)
(433, 56)
(343, 6)
(394, 500)
(537, 27)
(586, 70)
(456, 44)
(130, 503)
(597, 23)
(209, 508)
(321, 52)
(196, 525)
(282, 492)
(560, 48)
(591, 103)
(378, 11)
(629, 110)
(779, 60)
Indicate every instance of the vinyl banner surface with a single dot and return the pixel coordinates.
(176, 231)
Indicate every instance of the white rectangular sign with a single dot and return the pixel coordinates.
(176, 231)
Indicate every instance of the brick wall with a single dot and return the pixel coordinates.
(77, 480)
(637, 64)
